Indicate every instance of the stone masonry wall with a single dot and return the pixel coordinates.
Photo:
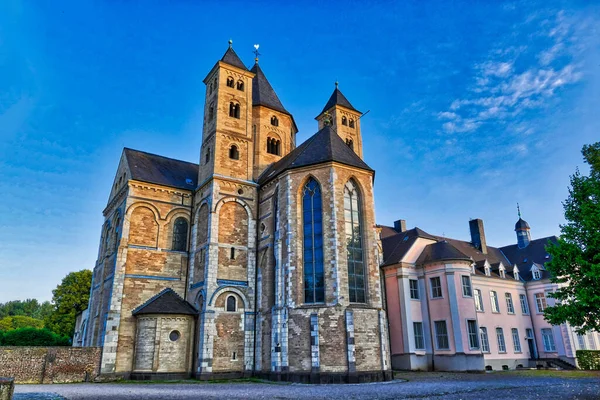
(50, 364)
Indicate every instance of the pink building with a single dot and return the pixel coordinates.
(455, 305)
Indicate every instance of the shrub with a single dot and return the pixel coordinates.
(588, 359)
(33, 337)
(20, 321)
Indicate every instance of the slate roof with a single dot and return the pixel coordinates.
(521, 225)
(441, 251)
(387, 231)
(494, 256)
(230, 57)
(166, 302)
(337, 98)
(263, 93)
(323, 146)
(161, 170)
(396, 246)
(524, 258)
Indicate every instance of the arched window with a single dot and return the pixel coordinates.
(344, 121)
(350, 143)
(180, 228)
(314, 277)
(231, 304)
(232, 253)
(273, 146)
(211, 111)
(351, 124)
(230, 82)
(274, 121)
(234, 110)
(240, 85)
(207, 157)
(234, 153)
(354, 245)
(210, 88)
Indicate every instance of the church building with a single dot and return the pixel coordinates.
(262, 259)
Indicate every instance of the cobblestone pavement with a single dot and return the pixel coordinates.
(417, 385)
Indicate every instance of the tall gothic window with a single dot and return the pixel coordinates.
(314, 278)
(180, 228)
(354, 245)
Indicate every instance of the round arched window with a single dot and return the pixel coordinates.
(174, 336)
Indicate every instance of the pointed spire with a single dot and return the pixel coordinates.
(230, 57)
(263, 93)
(337, 99)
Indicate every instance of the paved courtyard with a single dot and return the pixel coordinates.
(522, 385)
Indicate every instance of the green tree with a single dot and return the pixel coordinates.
(69, 298)
(20, 321)
(576, 256)
(29, 308)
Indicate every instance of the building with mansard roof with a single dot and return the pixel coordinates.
(262, 259)
(465, 305)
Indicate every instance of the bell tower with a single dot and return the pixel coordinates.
(227, 130)
(344, 118)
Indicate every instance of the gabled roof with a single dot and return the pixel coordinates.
(323, 146)
(396, 246)
(263, 93)
(524, 258)
(166, 302)
(161, 170)
(493, 256)
(387, 231)
(441, 251)
(337, 98)
(230, 57)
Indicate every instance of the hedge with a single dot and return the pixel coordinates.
(32, 337)
(588, 359)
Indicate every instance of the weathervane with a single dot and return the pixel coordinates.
(256, 53)
(518, 210)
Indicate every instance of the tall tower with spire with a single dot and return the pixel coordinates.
(344, 118)
(522, 228)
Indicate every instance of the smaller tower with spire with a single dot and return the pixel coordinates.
(344, 118)
(522, 229)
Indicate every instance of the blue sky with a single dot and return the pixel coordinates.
(473, 107)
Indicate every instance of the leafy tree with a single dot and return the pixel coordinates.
(29, 308)
(33, 337)
(20, 321)
(576, 256)
(69, 298)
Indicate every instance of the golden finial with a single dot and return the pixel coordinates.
(336, 84)
(230, 43)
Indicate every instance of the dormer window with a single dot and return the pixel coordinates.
(240, 85)
(344, 121)
(536, 274)
(234, 153)
(273, 146)
(350, 143)
(488, 271)
(351, 123)
(230, 82)
(234, 110)
(274, 121)
(502, 273)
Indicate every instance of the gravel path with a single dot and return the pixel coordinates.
(419, 385)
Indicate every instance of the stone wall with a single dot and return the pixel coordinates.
(50, 364)
(7, 387)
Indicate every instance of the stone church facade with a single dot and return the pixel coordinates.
(262, 259)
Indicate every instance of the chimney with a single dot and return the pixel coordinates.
(478, 234)
(400, 225)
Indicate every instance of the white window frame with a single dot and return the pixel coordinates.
(510, 307)
(438, 279)
(524, 305)
(439, 335)
(485, 341)
(537, 275)
(540, 302)
(419, 333)
(414, 290)
(468, 287)
(516, 340)
(494, 301)
(500, 341)
(473, 335)
(478, 300)
(548, 340)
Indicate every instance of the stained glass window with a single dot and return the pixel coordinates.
(314, 277)
(354, 245)
(180, 229)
